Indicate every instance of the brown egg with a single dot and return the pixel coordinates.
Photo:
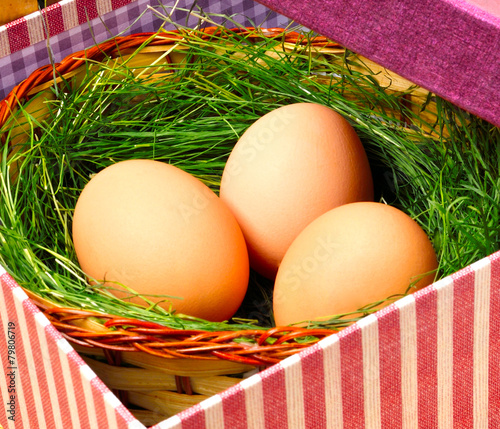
(158, 230)
(351, 256)
(290, 166)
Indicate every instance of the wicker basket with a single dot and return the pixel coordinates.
(158, 371)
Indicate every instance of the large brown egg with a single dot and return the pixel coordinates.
(289, 167)
(156, 229)
(351, 256)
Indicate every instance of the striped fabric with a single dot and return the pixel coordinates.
(44, 382)
(53, 20)
(431, 360)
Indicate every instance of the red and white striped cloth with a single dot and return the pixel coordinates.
(48, 382)
(429, 360)
(51, 21)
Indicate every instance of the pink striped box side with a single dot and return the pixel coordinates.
(44, 382)
(428, 360)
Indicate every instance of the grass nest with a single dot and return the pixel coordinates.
(188, 106)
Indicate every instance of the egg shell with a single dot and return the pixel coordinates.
(289, 167)
(349, 257)
(160, 231)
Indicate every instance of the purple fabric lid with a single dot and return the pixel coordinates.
(449, 47)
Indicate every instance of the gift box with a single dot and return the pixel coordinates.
(427, 360)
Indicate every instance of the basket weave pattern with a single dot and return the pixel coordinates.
(130, 335)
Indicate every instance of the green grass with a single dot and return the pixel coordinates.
(448, 181)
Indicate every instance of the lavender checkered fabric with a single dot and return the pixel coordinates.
(136, 17)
